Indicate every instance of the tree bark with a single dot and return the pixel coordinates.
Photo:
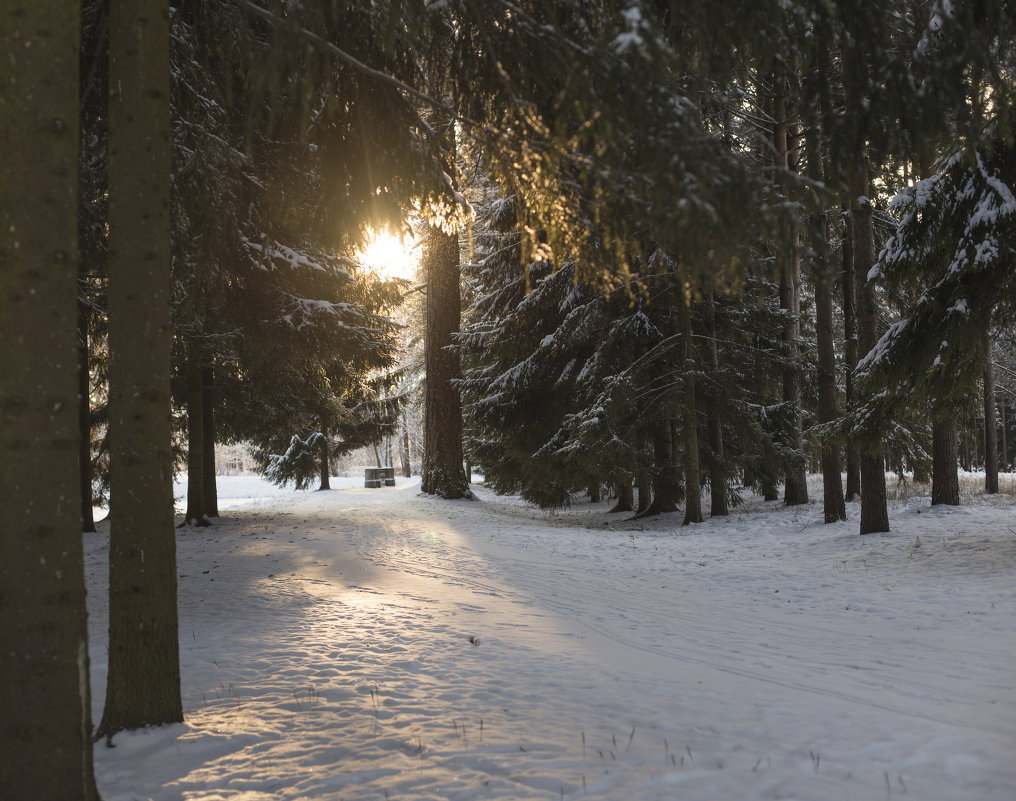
(45, 736)
(874, 511)
(325, 468)
(789, 264)
(990, 425)
(195, 513)
(625, 498)
(143, 682)
(945, 484)
(717, 464)
(208, 416)
(404, 452)
(442, 445)
(850, 350)
(833, 505)
(1004, 454)
(594, 492)
(666, 485)
(693, 496)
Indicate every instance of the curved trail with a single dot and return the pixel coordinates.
(685, 625)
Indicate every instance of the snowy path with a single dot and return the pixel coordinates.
(326, 651)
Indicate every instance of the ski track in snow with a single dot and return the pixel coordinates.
(381, 644)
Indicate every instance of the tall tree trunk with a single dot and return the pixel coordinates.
(945, 484)
(666, 486)
(833, 505)
(195, 513)
(717, 461)
(442, 445)
(1004, 454)
(594, 492)
(693, 496)
(850, 350)
(990, 425)
(143, 682)
(325, 468)
(789, 262)
(208, 448)
(625, 498)
(874, 511)
(45, 738)
(84, 419)
(404, 453)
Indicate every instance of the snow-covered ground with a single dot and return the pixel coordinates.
(381, 644)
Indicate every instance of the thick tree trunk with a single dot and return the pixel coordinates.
(625, 498)
(45, 737)
(833, 505)
(195, 513)
(442, 445)
(666, 485)
(143, 682)
(208, 448)
(874, 512)
(850, 350)
(594, 492)
(990, 426)
(693, 495)
(945, 484)
(84, 421)
(717, 463)
(789, 264)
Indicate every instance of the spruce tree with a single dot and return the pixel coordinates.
(952, 250)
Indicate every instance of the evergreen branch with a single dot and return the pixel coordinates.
(349, 59)
(376, 74)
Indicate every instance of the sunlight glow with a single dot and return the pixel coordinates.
(390, 256)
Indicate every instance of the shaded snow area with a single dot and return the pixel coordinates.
(380, 644)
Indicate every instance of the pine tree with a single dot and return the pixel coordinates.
(953, 250)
